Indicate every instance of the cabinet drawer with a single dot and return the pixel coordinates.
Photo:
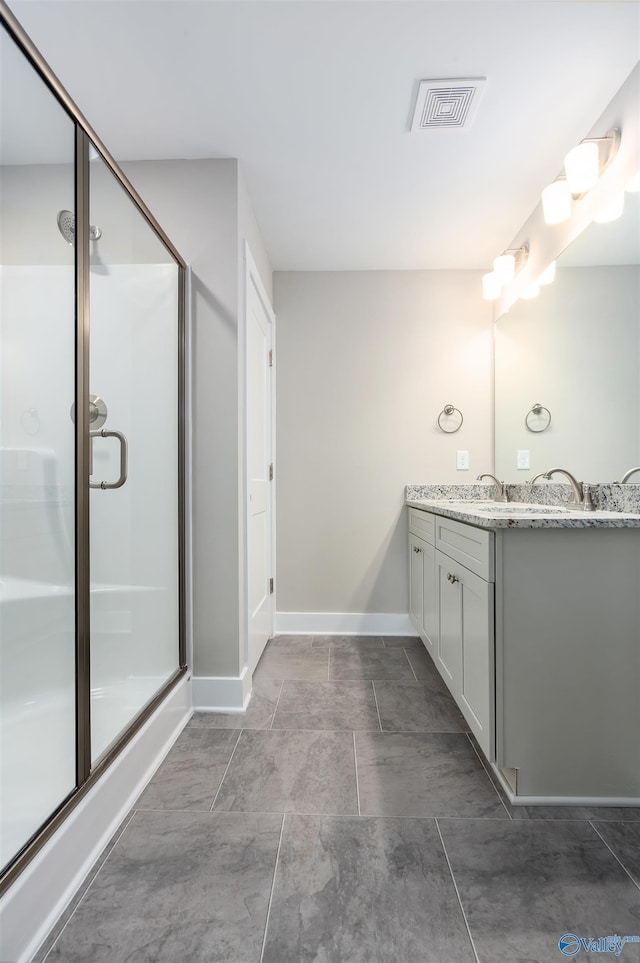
(422, 524)
(472, 547)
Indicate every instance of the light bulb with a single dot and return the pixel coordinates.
(548, 275)
(490, 287)
(634, 184)
(530, 292)
(581, 165)
(612, 210)
(556, 202)
(504, 268)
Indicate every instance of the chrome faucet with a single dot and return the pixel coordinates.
(541, 474)
(501, 491)
(580, 497)
(627, 475)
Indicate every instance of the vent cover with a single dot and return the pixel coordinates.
(447, 104)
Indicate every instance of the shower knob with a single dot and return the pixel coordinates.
(97, 412)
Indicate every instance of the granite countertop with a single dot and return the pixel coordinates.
(484, 513)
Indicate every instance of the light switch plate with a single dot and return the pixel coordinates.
(462, 460)
(523, 461)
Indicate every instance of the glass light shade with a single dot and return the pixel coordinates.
(556, 202)
(532, 291)
(504, 267)
(634, 184)
(490, 287)
(582, 166)
(548, 276)
(612, 210)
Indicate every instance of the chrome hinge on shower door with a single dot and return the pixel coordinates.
(270, 586)
(271, 472)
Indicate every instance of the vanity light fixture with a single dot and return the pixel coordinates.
(504, 267)
(610, 211)
(556, 202)
(582, 168)
(634, 184)
(548, 276)
(491, 287)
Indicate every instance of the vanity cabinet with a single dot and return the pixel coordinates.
(452, 607)
(536, 633)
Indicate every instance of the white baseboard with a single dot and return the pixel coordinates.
(30, 908)
(222, 693)
(343, 623)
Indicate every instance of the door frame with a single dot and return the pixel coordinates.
(252, 277)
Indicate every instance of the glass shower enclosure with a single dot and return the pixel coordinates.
(91, 456)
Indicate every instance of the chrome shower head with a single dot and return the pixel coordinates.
(67, 227)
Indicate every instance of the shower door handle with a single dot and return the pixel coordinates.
(124, 458)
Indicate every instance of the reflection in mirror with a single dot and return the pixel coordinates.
(575, 350)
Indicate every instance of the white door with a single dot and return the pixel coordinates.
(259, 458)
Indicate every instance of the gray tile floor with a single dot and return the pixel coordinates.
(347, 816)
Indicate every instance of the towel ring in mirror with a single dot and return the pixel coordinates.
(447, 412)
(537, 409)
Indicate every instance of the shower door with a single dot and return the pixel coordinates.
(134, 458)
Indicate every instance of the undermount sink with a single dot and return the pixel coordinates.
(511, 508)
(501, 508)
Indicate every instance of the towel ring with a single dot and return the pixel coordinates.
(537, 409)
(448, 410)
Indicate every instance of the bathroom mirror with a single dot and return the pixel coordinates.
(575, 350)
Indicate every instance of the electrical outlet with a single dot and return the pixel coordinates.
(523, 461)
(462, 460)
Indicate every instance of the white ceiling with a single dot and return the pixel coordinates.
(315, 99)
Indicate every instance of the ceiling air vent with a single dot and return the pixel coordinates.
(447, 104)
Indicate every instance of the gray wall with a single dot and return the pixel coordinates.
(207, 214)
(365, 362)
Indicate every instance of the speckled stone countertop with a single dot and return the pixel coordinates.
(543, 506)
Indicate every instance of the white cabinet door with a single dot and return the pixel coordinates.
(449, 653)
(430, 619)
(477, 684)
(416, 579)
(465, 654)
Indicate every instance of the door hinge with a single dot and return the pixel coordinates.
(271, 472)
(270, 586)
(271, 357)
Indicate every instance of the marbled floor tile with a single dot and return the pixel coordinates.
(178, 887)
(402, 642)
(423, 665)
(417, 707)
(369, 664)
(348, 643)
(327, 705)
(351, 890)
(624, 840)
(70, 908)
(283, 771)
(192, 771)
(523, 885)
(259, 714)
(423, 774)
(284, 661)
